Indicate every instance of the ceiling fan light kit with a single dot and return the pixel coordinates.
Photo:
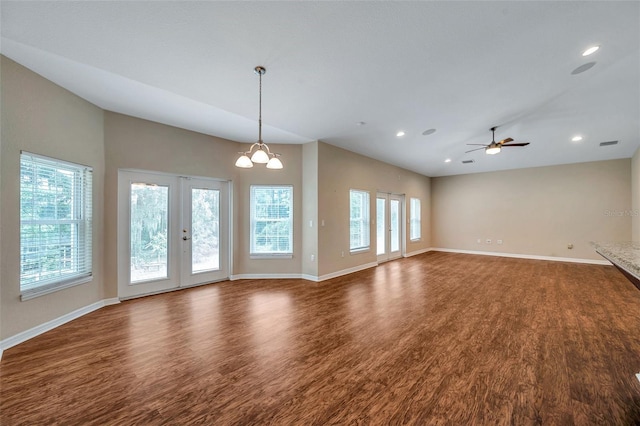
(262, 154)
(496, 147)
(492, 150)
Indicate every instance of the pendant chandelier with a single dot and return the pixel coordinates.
(259, 152)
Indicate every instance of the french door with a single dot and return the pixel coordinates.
(173, 232)
(389, 226)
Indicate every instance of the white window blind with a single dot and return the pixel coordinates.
(415, 221)
(271, 220)
(55, 224)
(358, 220)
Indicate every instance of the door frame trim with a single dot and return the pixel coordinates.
(402, 220)
(119, 224)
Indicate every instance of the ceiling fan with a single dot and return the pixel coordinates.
(495, 147)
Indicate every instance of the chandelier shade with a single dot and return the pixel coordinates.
(274, 163)
(243, 161)
(260, 156)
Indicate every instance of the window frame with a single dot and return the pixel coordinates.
(80, 220)
(415, 221)
(364, 219)
(253, 254)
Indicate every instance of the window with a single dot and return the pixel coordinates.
(55, 225)
(271, 220)
(148, 232)
(414, 222)
(359, 220)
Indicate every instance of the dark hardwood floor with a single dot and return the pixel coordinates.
(434, 339)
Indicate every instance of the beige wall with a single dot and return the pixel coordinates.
(338, 172)
(43, 118)
(291, 174)
(536, 211)
(310, 209)
(635, 196)
(1, 143)
(132, 143)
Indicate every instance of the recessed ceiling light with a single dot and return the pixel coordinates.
(590, 50)
(448, 160)
(429, 132)
(360, 123)
(400, 133)
(576, 138)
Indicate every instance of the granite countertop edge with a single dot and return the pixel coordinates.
(623, 254)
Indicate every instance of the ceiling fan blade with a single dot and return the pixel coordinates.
(516, 144)
(474, 150)
(478, 144)
(507, 140)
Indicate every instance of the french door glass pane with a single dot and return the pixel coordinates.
(380, 225)
(149, 233)
(395, 225)
(205, 230)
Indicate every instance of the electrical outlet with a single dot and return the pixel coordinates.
(479, 241)
(322, 223)
(499, 242)
(311, 224)
(313, 257)
(343, 253)
(488, 241)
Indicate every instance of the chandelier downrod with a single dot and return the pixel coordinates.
(260, 71)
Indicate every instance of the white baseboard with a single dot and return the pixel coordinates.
(265, 276)
(347, 271)
(111, 301)
(525, 256)
(414, 253)
(169, 290)
(16, 339)
(309, 277)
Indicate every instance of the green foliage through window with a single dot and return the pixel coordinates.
(55, 221)
(415, 220)
(271, 219)
(358, 220)
(149, 231)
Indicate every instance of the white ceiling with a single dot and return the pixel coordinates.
(459, 67)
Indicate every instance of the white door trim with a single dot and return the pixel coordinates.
(174, 267)
(388, 254)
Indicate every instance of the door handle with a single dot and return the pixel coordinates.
(186, 238)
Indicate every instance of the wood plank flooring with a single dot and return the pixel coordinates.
(438, 338)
